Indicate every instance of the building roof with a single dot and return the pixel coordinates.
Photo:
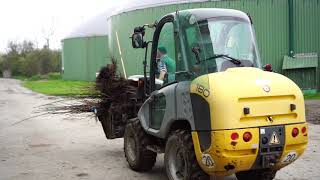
(142, 4)
(96, 26)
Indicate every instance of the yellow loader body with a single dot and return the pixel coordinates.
(257, 121)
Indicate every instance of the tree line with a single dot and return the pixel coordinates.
(25, 59)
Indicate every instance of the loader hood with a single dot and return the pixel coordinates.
(249, 97)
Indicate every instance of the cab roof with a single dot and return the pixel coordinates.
(206, 13)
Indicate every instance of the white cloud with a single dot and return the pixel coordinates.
(32, 19)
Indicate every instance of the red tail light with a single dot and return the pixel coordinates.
(234, 136)
(295, 132)
(304, 130)
(247, 136)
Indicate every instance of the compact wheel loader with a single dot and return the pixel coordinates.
(219, 113)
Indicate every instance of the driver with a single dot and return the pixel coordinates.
(165, 64)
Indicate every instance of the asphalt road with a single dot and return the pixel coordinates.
(37, 145)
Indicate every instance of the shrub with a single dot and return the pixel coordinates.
(23, 59)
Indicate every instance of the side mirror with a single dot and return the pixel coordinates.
(137, 40)
(267, 67)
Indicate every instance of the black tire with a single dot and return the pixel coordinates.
(260, 174)
(136, 140)
(180, 152)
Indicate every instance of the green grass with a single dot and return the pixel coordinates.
(22, 78)
(52, 84)
(50, 76)
(60, 87)
(312, 96)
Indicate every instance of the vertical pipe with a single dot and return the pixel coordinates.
(291, 28)
(120, 52)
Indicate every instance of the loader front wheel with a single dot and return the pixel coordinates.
(136, 140)
(261, 174)
(180, 159)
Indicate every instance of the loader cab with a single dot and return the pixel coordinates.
(202, 41)
(197, 42)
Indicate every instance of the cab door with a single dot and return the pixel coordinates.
(164, 40)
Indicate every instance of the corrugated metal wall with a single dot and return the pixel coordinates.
(307, 26)
(270, 19)
(83, 57)
(306, 31)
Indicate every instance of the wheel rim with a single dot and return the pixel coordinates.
(131, 148)
(176, 163)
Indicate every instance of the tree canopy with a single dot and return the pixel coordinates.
(24, 59)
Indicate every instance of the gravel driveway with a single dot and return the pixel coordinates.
(37, 145)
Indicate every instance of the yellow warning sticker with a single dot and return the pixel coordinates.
(274, 139)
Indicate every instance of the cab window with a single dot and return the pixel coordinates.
(166, 55)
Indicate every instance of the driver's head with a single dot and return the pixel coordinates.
(161, 51)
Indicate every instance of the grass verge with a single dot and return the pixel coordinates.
(52, 84)
(60, 87)
(312, 96)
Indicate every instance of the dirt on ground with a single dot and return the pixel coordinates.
(313, 111)
(35, 144)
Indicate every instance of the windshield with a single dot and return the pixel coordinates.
(226, 39)
(213, 45)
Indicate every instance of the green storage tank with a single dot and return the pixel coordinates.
(85, 50)
(271, 21)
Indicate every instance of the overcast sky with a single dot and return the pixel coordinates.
(34, 19)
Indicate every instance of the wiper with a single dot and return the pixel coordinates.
(225, 56)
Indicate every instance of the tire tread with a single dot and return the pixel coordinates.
(146, 158)
(184, 138)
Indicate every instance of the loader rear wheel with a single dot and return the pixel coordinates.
(180, 159)
(136, 140)
(261, 174)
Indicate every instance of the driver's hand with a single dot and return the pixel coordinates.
(159, 81)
